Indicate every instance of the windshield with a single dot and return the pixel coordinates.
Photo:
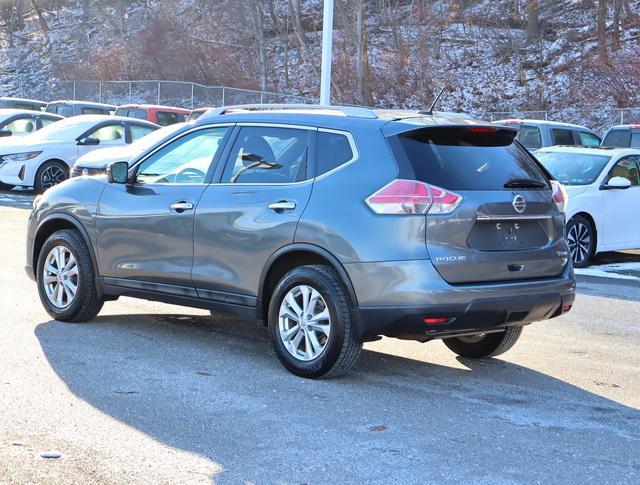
(573, 168)
(67, 129)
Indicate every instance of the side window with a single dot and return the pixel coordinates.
(65, 110)
(333, 150)
(617, 138)
(47, 121)
(166, 118)
(109, 133)
(51, 108)
(138, 131)
(588, 139)
(560, 136)
(21, 126)
(628, 168)
(183, 161)
(139, 114)
(88, 110)
(268, 155)
(26, 106)
(635, 140)
(530, 137)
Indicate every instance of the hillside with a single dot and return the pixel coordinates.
(386, 52)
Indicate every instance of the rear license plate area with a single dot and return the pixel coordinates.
(507, 235)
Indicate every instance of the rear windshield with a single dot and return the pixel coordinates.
(573, 168)
(530, 137)
(458, 159)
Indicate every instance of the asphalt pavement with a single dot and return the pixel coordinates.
(149, 392)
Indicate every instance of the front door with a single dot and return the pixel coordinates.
(145, 229)
(620, 214)
(252, 212)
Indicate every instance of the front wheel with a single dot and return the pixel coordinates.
(66, 278)
(49, 174)
(581, 241)
(484, 344)
(310, 323)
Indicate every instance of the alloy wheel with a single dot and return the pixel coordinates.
(51, 176)
(304, 323)
(579, 241)
(60, 277)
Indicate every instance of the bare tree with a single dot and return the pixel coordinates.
(603, 56)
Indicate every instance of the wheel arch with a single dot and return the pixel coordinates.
(58, 222)
(593, 223)
(289, 257)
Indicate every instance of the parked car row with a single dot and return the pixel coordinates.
(161, 115)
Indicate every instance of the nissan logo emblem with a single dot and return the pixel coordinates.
(519, 204)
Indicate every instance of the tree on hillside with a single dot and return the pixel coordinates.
(603, 56)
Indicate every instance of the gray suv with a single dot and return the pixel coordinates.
(335, 226)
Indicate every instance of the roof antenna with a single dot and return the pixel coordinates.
(433, 104)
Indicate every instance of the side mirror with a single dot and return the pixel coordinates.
(617, 183)
(6, 133)
(88, 140)
(118, 172)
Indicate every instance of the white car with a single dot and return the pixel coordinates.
(23, 122)
(603, 185)
(95, 162)
(45, 158)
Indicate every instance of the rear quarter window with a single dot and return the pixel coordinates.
(333, 150)
(166, 118)
(456, 159)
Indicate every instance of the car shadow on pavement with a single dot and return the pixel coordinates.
(214, 387)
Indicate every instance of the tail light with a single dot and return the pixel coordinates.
(560, 196)
(412, 197)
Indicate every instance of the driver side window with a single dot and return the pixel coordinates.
(628, 168)
(183, 161)
(109, 133)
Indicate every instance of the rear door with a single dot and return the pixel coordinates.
(506, 226)
(252, 211)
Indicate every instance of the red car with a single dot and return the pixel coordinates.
(160, 115)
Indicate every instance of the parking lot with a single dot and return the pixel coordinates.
(149, 392)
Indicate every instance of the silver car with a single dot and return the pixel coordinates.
(535, 134)
(335, 226)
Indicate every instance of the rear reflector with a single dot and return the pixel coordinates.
(435, 320)
(566, 308)
(560, 196)
(412, 197)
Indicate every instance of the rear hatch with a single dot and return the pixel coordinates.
(506, 225)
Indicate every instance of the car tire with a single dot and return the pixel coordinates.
(6, 186)
(323, 345)
(484, 345)
(581, 239)
(56, 282)
(49, 174)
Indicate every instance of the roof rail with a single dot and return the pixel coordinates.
(353, 111)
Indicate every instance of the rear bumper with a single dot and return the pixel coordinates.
(467, 308)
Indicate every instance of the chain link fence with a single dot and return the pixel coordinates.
(174, 93)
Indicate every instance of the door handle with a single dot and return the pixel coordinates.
(181, 206)
(282, 205)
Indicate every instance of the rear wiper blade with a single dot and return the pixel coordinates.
(524, 184)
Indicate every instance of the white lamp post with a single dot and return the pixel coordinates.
(327, 34)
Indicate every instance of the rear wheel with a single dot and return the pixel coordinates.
(6, 186)
(310, 323)
(581, 241)
(484, 344)
(66, 278)
(49, 174)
